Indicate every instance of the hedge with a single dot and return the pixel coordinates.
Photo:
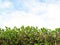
(29, 36)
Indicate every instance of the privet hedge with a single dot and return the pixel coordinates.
(29, 36)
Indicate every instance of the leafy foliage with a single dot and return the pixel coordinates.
(29, 36)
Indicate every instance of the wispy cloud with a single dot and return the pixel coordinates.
(41, 13)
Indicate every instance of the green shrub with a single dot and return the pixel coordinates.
(29, 36)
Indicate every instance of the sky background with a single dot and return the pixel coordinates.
(41, 13)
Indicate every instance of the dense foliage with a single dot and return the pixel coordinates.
(29, 36)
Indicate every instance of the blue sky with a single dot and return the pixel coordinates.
(41, 13)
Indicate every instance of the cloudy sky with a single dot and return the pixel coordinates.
(41, 13)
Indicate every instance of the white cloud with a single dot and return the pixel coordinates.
(53, 16)
(33, 6)
(19, 18)
(5, 4)
(50, 19)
